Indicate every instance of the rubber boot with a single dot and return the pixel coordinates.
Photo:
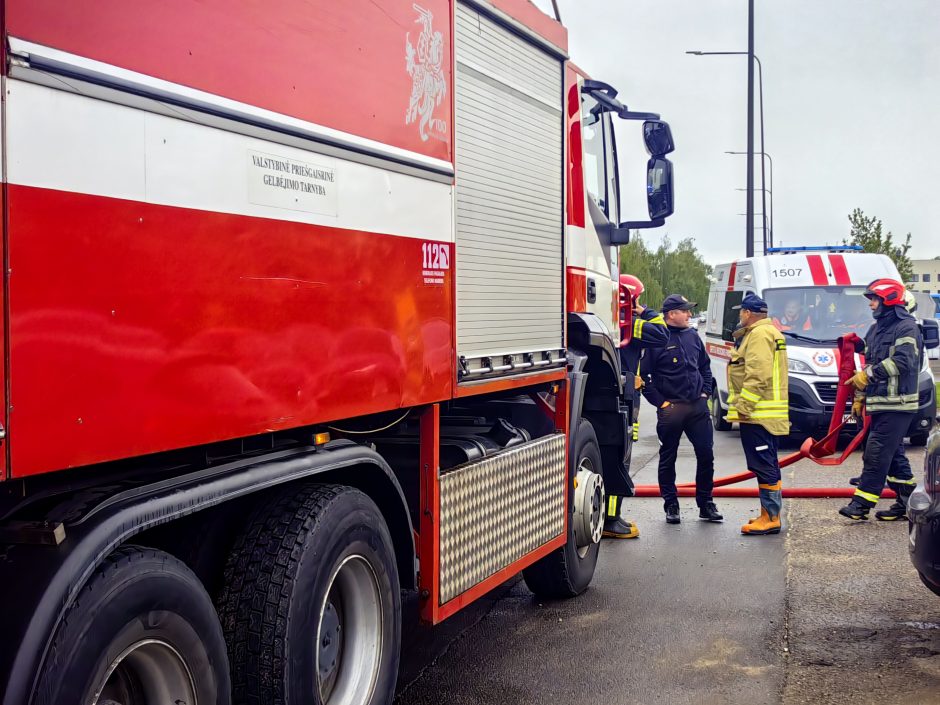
(856, 510)
(615, 526)
(898, 510)
(771, 502)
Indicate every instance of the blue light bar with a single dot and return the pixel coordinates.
(816, 248)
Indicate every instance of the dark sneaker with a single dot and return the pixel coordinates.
(709, 512)
(617, 528)
(855, 511)
(672, 514)
(893, 513)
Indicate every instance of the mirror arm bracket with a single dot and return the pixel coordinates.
(642, 224)
(620, 235)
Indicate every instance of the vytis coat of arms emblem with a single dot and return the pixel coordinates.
(428, 86)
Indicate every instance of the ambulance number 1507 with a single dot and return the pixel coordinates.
(791, 272)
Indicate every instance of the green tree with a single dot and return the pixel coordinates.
(667, 270)
(868, 232)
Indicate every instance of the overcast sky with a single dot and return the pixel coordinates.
(851, 109)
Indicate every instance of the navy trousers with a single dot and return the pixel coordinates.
(884, 453)
(694, 420)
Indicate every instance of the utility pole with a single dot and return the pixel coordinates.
(749, 227)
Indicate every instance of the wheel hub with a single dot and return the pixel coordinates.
(588, 506)
(148, 672)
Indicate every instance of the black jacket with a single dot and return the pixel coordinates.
(678, 372)
(894, 348)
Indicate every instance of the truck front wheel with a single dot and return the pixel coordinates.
(142, 631)
(311, 606)
(567, 571)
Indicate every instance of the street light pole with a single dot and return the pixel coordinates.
(750, 124)
(770, 190)
(750, 131)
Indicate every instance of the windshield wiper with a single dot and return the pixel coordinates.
(809, 339)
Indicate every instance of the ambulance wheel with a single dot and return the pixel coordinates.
(919, 439)
(142, 631)
(311, 607)
(718, 415)
(567, 571)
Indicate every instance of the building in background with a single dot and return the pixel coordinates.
(926, 276)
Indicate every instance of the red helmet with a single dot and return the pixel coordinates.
(890, 291)
(631, 284)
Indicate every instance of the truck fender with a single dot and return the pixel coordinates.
(42, 580)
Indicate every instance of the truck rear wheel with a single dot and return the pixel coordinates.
(567, 571)
(311, 606)
(142, 631)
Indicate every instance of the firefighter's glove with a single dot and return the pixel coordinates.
(858, 407)
(859, 380)
(637, 383)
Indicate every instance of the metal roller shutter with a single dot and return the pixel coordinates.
(509, 199)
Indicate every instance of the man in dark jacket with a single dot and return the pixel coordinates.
(678, 382)
(648, 331)
(887, 386)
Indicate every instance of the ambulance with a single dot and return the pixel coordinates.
(814, 295)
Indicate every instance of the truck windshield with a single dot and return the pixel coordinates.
(819, 312)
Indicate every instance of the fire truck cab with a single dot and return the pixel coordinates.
(814, 296)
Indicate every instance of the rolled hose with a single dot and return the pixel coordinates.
(817, 451)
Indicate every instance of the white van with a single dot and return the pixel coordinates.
(814, 295)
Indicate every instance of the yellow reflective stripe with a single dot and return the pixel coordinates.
(638, 328)
(776, 380)
(769, 404)
(658, 320)
(899, 481)
(906, 340)
(867, 495)
(749, 395)
(770, 415)
(891, 367)
(611, 506)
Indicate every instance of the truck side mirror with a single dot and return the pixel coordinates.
(658, 138)
(659, 192)
(659, 200)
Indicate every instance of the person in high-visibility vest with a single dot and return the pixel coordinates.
(649, 331)
(757, 400)
(894, 348)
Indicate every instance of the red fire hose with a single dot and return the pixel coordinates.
(817, 451)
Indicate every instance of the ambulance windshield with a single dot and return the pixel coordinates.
(822, 313)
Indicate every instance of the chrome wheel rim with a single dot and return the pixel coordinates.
(148, 672)
(588, 507)
(349, 635)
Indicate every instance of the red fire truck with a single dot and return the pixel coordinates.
(306, 304)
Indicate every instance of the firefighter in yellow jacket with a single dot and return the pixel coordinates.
(757, 400)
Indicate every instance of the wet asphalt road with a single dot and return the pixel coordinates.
(692, 613)
(829, 611)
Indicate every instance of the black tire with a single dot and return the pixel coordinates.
(145, 597)
(919, 439)
(929, 585)
(275, 599)
(564, 572)
(718, 415)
